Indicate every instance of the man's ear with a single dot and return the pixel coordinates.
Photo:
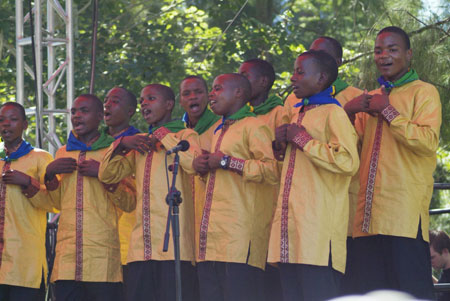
(409, 54)
(322, 79)
(264, 81)
(170, 103)
(131, 111)
(25, 124)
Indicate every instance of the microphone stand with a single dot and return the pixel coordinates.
(173, 199)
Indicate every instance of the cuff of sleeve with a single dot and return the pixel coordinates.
(161, 133)
(389, 113)
(52, 184)
(110, 187)
(301, 139)
(236, 165)
(31, 189)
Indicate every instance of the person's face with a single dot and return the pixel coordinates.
(437, 260)
(116, 108)
(223, 99)
(85, 116)
(306, 79)
(256, 81)
(391, 56)
(193, 97)
(12, 124)
(325, 45)
(154, 108)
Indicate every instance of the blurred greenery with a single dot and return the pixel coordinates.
(147, 41)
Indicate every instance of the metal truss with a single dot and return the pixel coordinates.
(59, 64)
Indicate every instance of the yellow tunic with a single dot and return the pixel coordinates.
(312, 210)
(127, 221)
(87, 247)
(198, 193)
(343, 97)
(147, 237)
(236, 219)
(402, 166)
(22, 231)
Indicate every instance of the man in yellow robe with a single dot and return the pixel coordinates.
(199, 117)
(23, 264)
(398, 157)
(268, 109)
(235, 225)
(151, 271)
(309, 230)
(119, 107)
(87, 262)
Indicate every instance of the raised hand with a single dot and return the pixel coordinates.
(214, 160)
(16, 177)
(280, 134)
(379, 101)
(142, 144)
(89, 168)
(359, 104)
(200, 164)
(60, 166)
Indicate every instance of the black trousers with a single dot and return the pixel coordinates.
(272, 284)
(225, 281)
(20, 293)
(154, 280)
(390, 262)
(71, 290)
(309, 282)
(349, 279)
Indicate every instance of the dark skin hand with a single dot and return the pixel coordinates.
(140, 143)
(214, 160)
(286, 133)
(379, 101)
(200, 164)
(61, 166)
(16, 177)
(359, 104)
(89, 168)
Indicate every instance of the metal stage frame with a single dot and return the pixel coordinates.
(59, 63)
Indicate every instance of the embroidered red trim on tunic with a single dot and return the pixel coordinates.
(372, 174)
(237, 165)
(31, 190)
(2, 211)
(208, 200)
(79, 223)
(284, 238)
(302, 138)
(389, 113)
(146, 208)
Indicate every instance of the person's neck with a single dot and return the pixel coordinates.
(194, 120)
(163, 121)
(116, 130)
(13, 145)
(259, 99)
(396, 78)
(90, 137)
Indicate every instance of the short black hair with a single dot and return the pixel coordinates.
(166, 91)
(398, 31)
(439, 240)
(263, 68)
(16, 105)
(337, 47)
(98, 104)
(196, 77)
(325, 62)
(130, 97)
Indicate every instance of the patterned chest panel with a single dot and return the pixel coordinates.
(208, 201)
(146, 207)
(2, 210)
(79, 223)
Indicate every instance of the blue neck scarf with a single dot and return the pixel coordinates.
(322, 98)
(23, 149)
(131, 131)
(408, 77)
(73, 144)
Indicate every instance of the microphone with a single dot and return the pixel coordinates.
(182, 146)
